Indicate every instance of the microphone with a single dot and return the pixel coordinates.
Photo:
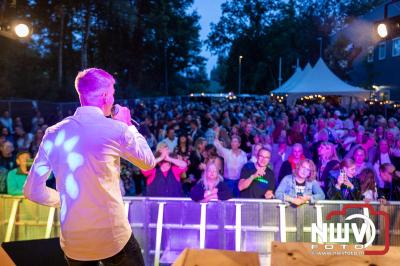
(114, 112)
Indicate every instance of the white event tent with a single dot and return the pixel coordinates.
(293, 80)
(322, 81)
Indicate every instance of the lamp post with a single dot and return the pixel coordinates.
(320, 46)
(15, 30)
(240, 74)
(11, 24)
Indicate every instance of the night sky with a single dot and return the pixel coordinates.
(210, 11)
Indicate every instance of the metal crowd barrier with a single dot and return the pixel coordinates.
(165, 226)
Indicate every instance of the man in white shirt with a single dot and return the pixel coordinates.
(171, 140)
(338, 122)
(234, 159)
(83, 151)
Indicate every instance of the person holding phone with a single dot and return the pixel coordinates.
(345, 186)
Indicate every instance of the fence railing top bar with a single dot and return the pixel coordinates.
(11, 196)
(275, 201)
(335, 202)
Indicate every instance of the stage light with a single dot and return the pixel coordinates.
(382, 30)
(22, 30)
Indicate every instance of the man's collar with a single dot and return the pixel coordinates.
(88, 110)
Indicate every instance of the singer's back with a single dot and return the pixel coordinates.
(84, 153)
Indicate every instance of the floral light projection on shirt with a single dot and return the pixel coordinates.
(74, 161)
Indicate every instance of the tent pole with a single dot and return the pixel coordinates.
(350, 103)
(280, 72)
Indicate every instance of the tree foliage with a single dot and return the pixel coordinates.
(263, 31)
(151, 46)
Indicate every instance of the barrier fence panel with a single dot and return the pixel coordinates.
(166, 226)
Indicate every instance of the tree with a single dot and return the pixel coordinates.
(140, 42)
(262, 31)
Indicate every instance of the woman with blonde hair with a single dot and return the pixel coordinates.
(301, 186)
(344, 186)
(327, 161)
(165, 179)
(210, 186)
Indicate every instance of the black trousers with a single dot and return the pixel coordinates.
(129, 255)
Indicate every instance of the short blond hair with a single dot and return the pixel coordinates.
(93, 82)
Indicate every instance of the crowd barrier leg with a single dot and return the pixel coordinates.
(160, 218)
(50, 221)
(127, 204)
(11, 220)
(319, 220)
(238, 228)
(203, 216)
(282, 222)
(368, 232)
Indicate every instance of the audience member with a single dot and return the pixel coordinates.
(257, 180)
(210, 186)
(234, 159)
(16, 177)
(301, 186)
(344, 185)
(390, 190)
(164, 179)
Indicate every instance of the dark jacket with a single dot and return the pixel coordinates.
(344, 193)
(390, 191)
(197, 192)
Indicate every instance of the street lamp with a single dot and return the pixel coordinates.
(320, 46)
(240, 74)
(15, 30)
(382, 28)
(22, 30)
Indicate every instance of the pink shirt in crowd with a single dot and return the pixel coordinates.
(151, 174)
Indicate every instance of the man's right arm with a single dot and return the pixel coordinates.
(135, 149)
(245, 178)
(221, 150)
(35, 187)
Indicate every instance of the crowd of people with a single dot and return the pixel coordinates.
(245, 148)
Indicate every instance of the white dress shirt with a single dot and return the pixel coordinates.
(171, 143)
(84, 151)
(233, 163)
